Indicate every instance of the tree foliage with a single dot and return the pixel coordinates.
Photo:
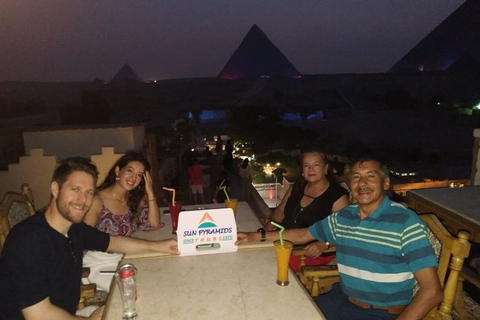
(262, 126)
(185, 133)
(258, 124)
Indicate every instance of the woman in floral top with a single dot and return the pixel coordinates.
(125, 201)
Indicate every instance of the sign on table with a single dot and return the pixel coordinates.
(206, 231)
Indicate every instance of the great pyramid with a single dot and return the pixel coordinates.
(456, 38)
(126, 75)
(257, 56)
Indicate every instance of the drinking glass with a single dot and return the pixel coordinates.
(232, 203)
(283, 252)
(125, 278)
(174, 212)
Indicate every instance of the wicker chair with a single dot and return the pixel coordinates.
(14, 208)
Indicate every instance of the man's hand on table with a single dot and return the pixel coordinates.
(167, 246)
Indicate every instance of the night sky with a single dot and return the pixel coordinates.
(78, 40)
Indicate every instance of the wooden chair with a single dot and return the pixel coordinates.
(450, 251)
(14, 208)
(471, 306)
(309, 276)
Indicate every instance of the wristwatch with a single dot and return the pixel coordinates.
(262, 230)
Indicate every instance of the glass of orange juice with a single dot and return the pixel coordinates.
(283, 252)
(232, 203)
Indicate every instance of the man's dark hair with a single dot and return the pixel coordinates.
(364, 158)
(70, 165)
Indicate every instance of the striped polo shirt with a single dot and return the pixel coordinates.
(378, 255)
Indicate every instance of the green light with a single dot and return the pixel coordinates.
(477, 107)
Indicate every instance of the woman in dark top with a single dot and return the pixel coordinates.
(310, 199)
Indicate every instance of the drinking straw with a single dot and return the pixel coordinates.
(173, 196)
(225, 190)
(280, 234)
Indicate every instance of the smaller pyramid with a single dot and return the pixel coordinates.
(98, 81)
(126, 75)
(257, 56)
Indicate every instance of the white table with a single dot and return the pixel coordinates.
(239, 285)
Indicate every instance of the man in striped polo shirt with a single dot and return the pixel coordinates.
(382, 248)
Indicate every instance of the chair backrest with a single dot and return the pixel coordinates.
(451, 253)
(14, 208)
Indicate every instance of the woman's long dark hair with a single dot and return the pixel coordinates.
(134, 196)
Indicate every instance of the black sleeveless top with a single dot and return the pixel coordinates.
(320, 208)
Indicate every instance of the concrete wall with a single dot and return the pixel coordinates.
(37, 170)
(84, 142)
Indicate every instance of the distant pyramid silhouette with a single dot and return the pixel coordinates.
(257, 56)
(126, 74)
(457, 37)
(465, 65)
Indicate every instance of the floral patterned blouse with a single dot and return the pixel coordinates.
(119, 225)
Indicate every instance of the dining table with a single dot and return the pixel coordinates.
(234, 285)
(457, 208)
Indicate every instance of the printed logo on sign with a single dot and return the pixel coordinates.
(207, 222)
(207, 232)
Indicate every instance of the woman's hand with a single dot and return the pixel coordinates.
(315, 249)
(246, 237)
(148, 185)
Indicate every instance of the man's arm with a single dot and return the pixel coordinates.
(429, 295)
(121, 244)
(297, 236)
(153, 213)
(46, 310)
